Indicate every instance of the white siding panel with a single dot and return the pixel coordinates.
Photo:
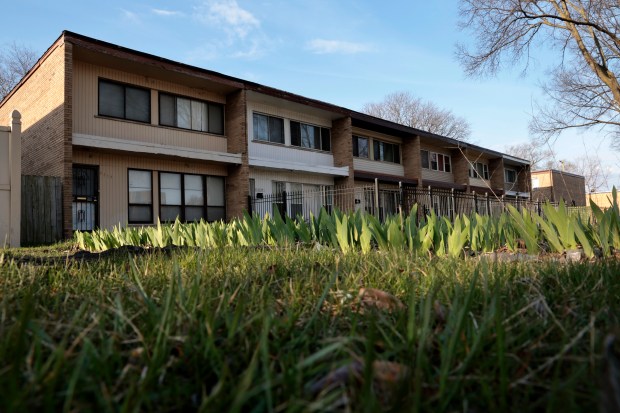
(387, 168)
(479, 182)
(86, 119)
(263, 179)
(113, 179)
(438, 176)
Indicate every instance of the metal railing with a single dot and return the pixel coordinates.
(382, 202)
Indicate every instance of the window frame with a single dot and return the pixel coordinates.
(208, 104)
(130, 204)
(440, 159)
(183, 205)
(269, 117)
(475, 173)
(324, 139)
(376, 156)
(125, 86)
(356, 139)
(506, 170)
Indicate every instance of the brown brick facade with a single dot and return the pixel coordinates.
(342, 148)
(412, 163)
(460, 167)
(238, 180)
(496, 174)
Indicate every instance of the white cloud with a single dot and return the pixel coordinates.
(166, 13)
(229, 14)
(130, 16)
(323, 46)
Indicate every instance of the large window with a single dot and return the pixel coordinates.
(122, 101)
(510, 176)
(360, 147)
(186, 113)
(387, 152)
(479, 170)
(310, 136)
(140, 184)
(268, 128)
(436, 161)
(183, 196)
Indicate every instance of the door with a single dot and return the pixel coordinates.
(85, 197)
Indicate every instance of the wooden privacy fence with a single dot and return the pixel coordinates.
(10, 186)
(41, 209)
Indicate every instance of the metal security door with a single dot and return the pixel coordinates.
(85, 197)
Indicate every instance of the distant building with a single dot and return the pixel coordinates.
(554, 185)
(601, 199)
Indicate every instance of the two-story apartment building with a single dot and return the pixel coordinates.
(136, 138)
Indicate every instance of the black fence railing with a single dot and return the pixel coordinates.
(382, 202)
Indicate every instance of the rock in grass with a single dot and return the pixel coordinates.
(387, 376)
(378, 299)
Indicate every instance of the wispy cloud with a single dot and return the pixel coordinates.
(227, 13)
(323, 46)
(130, 16)
(167, 13)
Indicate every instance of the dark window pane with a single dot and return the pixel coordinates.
(396, 153)
(169, 213)
(140, 214)
(388, 152)
(137, 105)
(362, 145)
(377, 149)
(111, 100)
(184, 113)
(167, 115)
(261, 128)
(307, 136)
(424, 155)
(295, 134)
(216, 214)
(356, 151)
(215, 191)
(216, 119)
(448, 166)
(276, 130)
(441, 163)
(194, 213)
(326, 139)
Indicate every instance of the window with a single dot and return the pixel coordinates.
(185, 113)
(360, 147)
(309, 136)
(140, 184)
(510, 176)
(535, 183)
(436, 161)
(183, 196)
(387, 152)
(268, 128)
(124, 102)
(479, 170)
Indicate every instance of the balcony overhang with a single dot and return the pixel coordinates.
(298, 167)
(394, 179)
(113, 144)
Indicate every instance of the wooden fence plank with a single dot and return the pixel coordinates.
(41, 209)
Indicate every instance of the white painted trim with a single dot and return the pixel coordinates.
(293, 166)
(154, 148)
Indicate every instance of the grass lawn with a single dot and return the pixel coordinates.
(259, 329)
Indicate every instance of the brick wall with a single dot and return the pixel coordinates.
(524, 179)
(238, 180)
(46, 120)
(411, 158)
(570, 188)
(342, 148)
(496, 173)
(460, 167)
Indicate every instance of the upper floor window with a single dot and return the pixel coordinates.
(387, 152)
(268, 128)
(360, 147)
(310, 136)
(479, 170)
(436, 161)
(122, 101)
(510, 176)
(192, 114)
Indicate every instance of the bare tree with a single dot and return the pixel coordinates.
(15, 61)
(405, 109)
(584, 87)
(538, 153)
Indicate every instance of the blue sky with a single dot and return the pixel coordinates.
(344, 52)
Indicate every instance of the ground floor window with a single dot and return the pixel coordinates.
(140, 184)
(191, 197)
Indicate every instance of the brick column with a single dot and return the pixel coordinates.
(238, 180)
(67, 162)
(524, 179)
(496, 172)
(411, 158)
(460, 167)
(342, 149)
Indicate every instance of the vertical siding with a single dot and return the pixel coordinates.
(263, 179)
(438, 176)
(113, 179)
(85, 110)
(387, 168)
